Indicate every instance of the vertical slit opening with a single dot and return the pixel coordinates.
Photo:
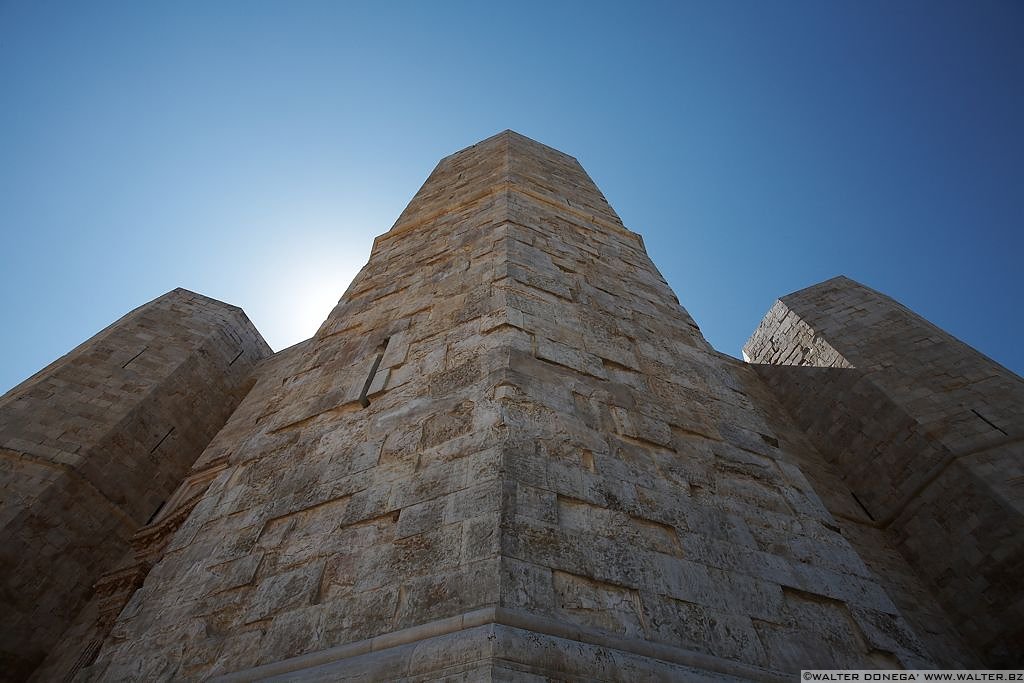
(363, 400)
(156, 512)
(128, 362)
(989, 422)
(862, 507)
(162, 439)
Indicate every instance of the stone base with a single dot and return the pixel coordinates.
(498, 644)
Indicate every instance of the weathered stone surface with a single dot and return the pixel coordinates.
(491, 417)
(92, 445)
(509, 454)
(925, 434)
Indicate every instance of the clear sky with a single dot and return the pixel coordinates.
(252, 150)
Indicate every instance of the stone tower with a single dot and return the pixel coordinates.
(927, 437)
(92, 446)
(509, 454)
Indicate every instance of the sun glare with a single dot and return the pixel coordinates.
(304, 300)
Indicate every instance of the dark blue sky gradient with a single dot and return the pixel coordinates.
(252, 150)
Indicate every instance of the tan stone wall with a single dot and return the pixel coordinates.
(93, 444)
(507, 451)
(928, 437)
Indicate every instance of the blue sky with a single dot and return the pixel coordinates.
(252, 150)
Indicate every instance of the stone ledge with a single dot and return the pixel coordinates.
(479, 625)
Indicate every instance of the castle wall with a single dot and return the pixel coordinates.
(93, 444)
(927, 436)
(508, 451)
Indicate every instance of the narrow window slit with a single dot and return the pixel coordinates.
(156, 512)
(237, 356)
(989, 422)
(127, 362)
(363, 401)
(866, 512)
(162, 439)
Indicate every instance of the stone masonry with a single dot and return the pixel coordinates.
(509, 454)
(927, 435)
(93, 444)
